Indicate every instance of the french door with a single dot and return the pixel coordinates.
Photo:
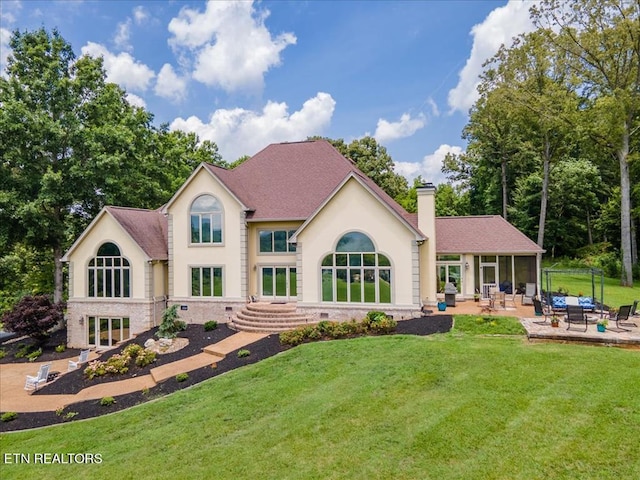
(278, 283)
(488, 275)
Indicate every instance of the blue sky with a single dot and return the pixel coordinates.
(246, 74)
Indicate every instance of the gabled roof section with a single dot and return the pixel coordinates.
(481, 234)
(148, 228)
(289, 181)
(221, 174)
(353, 175)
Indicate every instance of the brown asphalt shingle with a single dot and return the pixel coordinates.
(481, 234)
(289, 181)
(148, 228)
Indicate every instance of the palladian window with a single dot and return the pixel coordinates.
(355, 272)
(206, 220)
(109, 273)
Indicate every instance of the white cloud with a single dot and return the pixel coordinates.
(170, 85)
(136, 101)
(122, 68)
(5, 49)
(430, 167)
(9, 10)
(500, 26)
(123, 33)
(140, 14)
(407, 126)
(232, 47)
(240, 132)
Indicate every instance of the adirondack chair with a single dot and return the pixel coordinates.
(576, 315)
(33, 383)
(83, 358)
(529, 293)
(541, 310)
(623, 314)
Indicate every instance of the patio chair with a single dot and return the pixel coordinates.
(541, 310)
(622, 314)
(575, 314)
(83, 358)
(529, 293)
(33, 383)
(634, 309)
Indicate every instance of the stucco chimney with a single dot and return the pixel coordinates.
(427, 225)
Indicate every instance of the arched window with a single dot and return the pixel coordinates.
(206, 220)
(109, 273)
(356, 273)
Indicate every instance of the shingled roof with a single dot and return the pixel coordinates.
(289, 181)
(148, 228)
(481, 234)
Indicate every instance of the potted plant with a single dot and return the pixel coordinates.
(476, 297)
(602, 324)
(555, 321)
(442, 306)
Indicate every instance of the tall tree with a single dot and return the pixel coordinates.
(537, 92)
(71, 143)
(601, 40)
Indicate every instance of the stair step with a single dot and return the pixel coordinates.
(288, 325)
(261, 329)
(272, 319)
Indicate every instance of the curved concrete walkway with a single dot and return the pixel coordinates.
(14, 398)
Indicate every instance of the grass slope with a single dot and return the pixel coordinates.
(402, 407)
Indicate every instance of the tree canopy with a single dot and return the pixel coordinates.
(72, 144)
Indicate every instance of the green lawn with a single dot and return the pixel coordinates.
(399, 407)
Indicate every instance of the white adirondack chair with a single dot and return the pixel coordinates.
(84, 356)
(33, 383)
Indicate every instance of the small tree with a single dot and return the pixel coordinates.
(171, 324)
(34, 316)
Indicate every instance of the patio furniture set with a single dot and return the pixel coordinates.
(583, 311)
(44, 374)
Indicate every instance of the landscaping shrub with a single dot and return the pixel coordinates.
(35, 354)
(243, 353)
(375, 323)
(3, 353)
(119, 362)
(8, 416)
(61, 348)
(210, 325)
(171, 324)
(107, 401)
(34, 316)
(181, 377)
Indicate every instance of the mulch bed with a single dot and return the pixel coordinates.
(73, 382)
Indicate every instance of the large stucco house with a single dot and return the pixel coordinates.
(295, 226)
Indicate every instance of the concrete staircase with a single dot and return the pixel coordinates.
(269, 318)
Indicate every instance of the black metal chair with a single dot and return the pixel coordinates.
(575, 314)
(541, 310)
(623, 314)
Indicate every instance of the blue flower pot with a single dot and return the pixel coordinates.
(442, 306)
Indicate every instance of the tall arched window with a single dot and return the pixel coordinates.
(109, 273)
(206, 220)
(355, 272)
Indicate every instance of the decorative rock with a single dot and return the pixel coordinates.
(150, 343)
(166, 342)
